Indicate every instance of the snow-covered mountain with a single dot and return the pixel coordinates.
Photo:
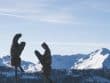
(58, 62)
(26, 65)
(65, 61)
(96, 60)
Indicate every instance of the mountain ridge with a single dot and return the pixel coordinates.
(97, 59)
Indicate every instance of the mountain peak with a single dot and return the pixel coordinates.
(102, 51)
(95, 60)
(105, 51)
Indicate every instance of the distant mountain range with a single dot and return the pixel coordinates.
(99, 59)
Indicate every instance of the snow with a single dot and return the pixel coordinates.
(33, 68)
(65, 62)
(27, 66)
(95, 61)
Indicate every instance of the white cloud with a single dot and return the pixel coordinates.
(39, 11)
(37, 15)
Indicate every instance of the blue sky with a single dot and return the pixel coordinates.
(68, 26)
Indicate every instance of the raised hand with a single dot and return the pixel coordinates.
(45, 60)
(39, 56)
(16, 50)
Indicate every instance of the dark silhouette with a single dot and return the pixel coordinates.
(46, 61)
(16, 50)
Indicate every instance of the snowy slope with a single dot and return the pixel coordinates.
(58, 62)
(65, 61)
(96, 60)
(26, 65)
